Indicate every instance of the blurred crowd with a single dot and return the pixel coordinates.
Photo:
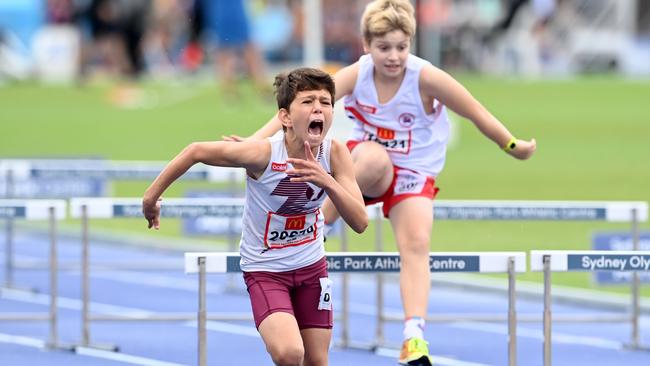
(132, 37)
(243, 38)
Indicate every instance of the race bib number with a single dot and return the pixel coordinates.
(409, 182)
(393, 141)
(325, 302)
(287, 231)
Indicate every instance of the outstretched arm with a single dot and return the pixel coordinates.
(253, 156)
(341, 187)
(438, 84)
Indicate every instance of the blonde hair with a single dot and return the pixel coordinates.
(383, 16)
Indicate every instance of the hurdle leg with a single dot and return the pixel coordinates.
(201, 316)
(512, 314)
(379, 245)
(634, 338)
(547, 310)
(53, 342)
(85, 289)
(345, 317)
(9, 235)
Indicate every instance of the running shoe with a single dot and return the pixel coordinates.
(415, 352)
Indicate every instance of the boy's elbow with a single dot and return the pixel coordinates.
(361, 226)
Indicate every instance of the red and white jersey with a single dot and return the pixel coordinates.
(414, 139)
(282, 222)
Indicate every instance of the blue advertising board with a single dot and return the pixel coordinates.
(619, 241)
(211, 225)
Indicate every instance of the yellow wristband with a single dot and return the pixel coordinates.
(510, 145)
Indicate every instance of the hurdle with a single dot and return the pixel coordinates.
(51, 210)
(14, 170)
(474, 210)
(106, 208)
(592, 260)
(367, 262)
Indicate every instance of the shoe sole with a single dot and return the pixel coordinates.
(422, 361)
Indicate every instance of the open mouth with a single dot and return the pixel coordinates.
(315, 127)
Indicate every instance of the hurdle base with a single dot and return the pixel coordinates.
(636, 347)
(97, 346)
(59, 346)
(363, 346)
(31, 290)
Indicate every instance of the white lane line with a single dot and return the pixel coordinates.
(560, 338)
(228, 328)
(22, 341)
(71, 304)
(161, 281)
(437, 360)
(122, 357)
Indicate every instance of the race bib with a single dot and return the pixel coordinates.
(290, 230)
(325, 302)
(393, 141)
(409, 182)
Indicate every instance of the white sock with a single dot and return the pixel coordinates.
(414, 327)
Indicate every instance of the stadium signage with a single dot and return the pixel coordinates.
(128, 210)
(518, 213)
(10, 212)
(619, 241)
(392, 264)
(609, 262)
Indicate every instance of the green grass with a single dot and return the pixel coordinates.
(592, 134)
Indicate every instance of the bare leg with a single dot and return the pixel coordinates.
(282, 339)
(316, 342)
(255, 65)
(373, 170)
(412, 220)
(227, 61)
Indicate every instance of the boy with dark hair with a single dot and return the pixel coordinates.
(288, 177)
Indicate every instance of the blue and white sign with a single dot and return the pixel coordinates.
(211, 225)
(619, 241)
(55, 188)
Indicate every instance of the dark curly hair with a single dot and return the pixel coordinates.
(288, 85)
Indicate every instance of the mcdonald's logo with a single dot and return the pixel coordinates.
(295, 223)
(385, 134)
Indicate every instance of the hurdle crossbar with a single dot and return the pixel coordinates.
(51, 210)
(368, 262)
(589, 260)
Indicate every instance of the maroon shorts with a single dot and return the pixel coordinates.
(296, 292)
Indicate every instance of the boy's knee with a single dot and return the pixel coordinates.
(291, 355)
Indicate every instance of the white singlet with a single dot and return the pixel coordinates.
(413, 139)
(282, 221)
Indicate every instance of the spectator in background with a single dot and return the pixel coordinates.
(227, 23)
(167, 33)
(342, 38)
(116, 29)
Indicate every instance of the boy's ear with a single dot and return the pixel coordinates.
(366, 46)
(283, 114)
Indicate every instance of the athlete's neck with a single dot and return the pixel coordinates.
(387, 87)
(296, 148)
